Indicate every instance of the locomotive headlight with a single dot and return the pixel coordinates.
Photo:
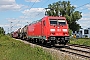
(64, 30)
(52, 30)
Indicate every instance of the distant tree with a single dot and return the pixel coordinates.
(64, 8)
(2, 30)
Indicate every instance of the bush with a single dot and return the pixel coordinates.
(81, 42)
(70, 32)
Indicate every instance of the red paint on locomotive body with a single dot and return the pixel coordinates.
(49, 26)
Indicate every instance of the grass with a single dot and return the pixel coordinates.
(11, 49)
(84, 41)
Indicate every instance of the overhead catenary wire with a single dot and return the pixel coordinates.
(30, 8)
(82, 5)
(47, 2)
(33, 4)
(44, 3)
(74, 1)
(76, 7)
(41, 7)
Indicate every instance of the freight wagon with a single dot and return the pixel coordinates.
(15, 34)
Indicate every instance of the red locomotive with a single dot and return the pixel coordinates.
(49, 30)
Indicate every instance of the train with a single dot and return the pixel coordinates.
(82, 33)
(49, 30)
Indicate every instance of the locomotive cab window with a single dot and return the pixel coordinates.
(53, 22)
(61, 22)
(57, 22)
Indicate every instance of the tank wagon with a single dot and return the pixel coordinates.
(19, 33)
(22, 32)
(15, 34)
(49, 30)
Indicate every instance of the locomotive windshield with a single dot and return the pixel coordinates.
(57, 22)
(53, 22)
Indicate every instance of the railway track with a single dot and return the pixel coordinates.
(77, 50)
(81, 46)
(74, 49)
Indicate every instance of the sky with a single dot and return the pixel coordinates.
(18, 13)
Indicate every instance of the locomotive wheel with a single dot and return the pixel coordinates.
(44, 43)
(37, 41)
(30, 40)
(48, 44)
(66, 42)
(53, 43)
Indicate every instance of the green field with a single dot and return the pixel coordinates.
(11, 49)
(83, 41)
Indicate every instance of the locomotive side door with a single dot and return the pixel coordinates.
(43, 25)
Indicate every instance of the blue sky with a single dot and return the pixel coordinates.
(23, 12)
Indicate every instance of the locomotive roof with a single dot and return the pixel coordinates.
(50, 17)
(55, 17)
(35, 21)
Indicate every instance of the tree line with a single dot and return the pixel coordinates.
(2, 30)
(64, 8)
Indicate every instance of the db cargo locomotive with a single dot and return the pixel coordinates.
(49, 30)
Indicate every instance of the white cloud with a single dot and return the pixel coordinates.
(23, 17)
(7, 2)
(19, 20)
(12, 20)
(10, 5)
(4, 25)
(32, 0)
(75, 5)
(8, 29)
(34, 12)
(88, 6)
(85, 20)
(84, 24)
